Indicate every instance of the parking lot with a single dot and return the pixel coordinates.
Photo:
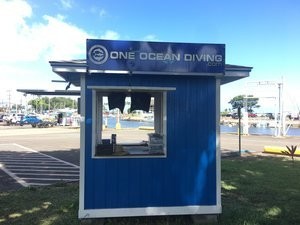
(26, 153)
(32, 168)
(38, 156)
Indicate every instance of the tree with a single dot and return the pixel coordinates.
(239, 101)
(40, 104)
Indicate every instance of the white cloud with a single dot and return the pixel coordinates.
(26, 47)
(66, 4)
(150, 37)
(63, 41)
(110, 35)
(13, 12)
(98, 12)
(52, 38)
(12, 26)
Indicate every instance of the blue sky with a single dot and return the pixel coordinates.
(262, 34)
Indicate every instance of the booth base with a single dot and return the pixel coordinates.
(150, 211)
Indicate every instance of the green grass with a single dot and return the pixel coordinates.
(255, 191)
(260, 191)
(43, 205)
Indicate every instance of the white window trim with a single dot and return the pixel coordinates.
(97, 128)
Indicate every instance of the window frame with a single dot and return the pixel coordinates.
(160, 116)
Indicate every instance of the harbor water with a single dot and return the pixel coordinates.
(111, 123)
(259, 130)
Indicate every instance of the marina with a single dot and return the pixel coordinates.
(270, 131)
(224, 128)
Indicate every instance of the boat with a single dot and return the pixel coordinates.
(139, 115)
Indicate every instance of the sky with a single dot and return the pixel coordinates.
(264, 35)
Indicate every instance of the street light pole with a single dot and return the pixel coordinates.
(279, 120)
(281, 126)
(240, 137)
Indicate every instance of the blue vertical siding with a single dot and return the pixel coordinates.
(187, 176)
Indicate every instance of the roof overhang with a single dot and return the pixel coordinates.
(234, 72)
(71, 71)
(48, 92)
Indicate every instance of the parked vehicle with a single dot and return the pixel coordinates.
(270, 116)
(234, 115)
(10, 119)
(32, 120)
(19, 117)
(293, 116)
(2, 117)
(250, 114)
(45, 124)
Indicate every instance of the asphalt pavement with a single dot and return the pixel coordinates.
(61, 144)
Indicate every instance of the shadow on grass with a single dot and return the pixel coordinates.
(56, 204)
(260, 190)
(255, 190)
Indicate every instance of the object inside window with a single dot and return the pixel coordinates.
(135, 126)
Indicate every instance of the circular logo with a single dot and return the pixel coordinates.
(98, 54)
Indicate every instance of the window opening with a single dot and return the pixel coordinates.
(129, 123)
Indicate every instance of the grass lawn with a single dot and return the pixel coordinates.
(260, 191)
(255, 191)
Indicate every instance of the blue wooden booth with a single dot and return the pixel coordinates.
(172, 166)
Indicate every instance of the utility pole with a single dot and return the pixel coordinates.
(9, 99)
(279, 117)
(240, 137)
(281, 124)
(245, 117)
(26, 106)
